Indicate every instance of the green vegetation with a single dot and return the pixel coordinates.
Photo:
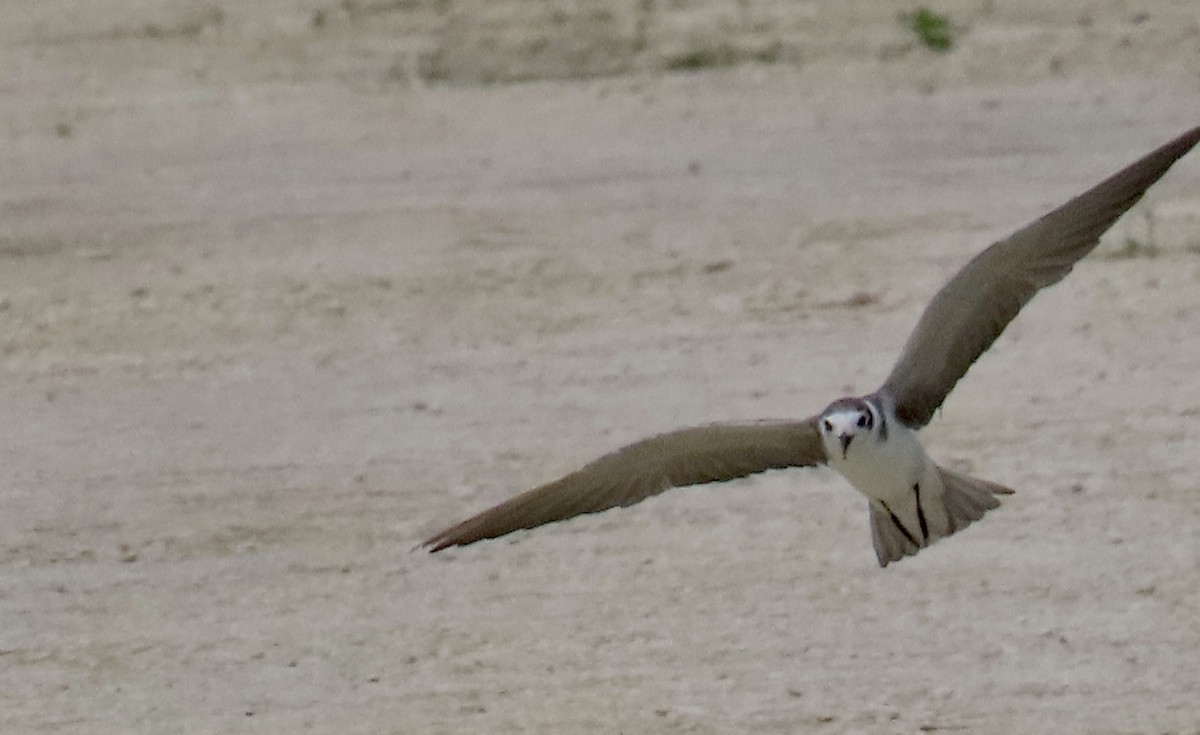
(933, 30)
(1135, 247)
(573, 41)
(721, 55)
(213, 17)
(357, 9)
(705, 57)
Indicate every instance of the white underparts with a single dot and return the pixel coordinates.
(894, 473)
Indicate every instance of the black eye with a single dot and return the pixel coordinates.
(828, 425)
(863, 419)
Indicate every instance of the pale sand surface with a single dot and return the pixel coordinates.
(276, 300)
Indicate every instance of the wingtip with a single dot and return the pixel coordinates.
(458, 535)
(432, 545)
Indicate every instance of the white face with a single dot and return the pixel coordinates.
(846, 423)
(841, 426)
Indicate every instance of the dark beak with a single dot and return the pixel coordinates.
(845, 440)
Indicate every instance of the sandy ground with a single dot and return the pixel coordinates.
(285, 287)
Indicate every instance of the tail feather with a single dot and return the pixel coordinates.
(968, 498)
(965, 500)
(891, 543)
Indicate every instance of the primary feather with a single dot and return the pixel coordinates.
(633, 473)
(973, 308)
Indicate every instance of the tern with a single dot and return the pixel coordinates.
(870, 440)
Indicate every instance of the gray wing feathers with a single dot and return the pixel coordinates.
(633, 473)
(969, 313)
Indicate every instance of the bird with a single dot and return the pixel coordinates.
(871, 440)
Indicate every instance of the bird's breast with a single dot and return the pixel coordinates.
(883, 469)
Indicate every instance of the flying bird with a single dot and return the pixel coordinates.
(871, 440)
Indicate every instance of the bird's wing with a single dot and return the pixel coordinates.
(971, 311)
(633, 473)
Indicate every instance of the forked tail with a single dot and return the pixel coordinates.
(965, 500)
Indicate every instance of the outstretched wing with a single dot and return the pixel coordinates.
(971, 311)
(633, 473)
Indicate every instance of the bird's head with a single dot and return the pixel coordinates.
(842, 421)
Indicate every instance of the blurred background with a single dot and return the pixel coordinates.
(285, 286)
